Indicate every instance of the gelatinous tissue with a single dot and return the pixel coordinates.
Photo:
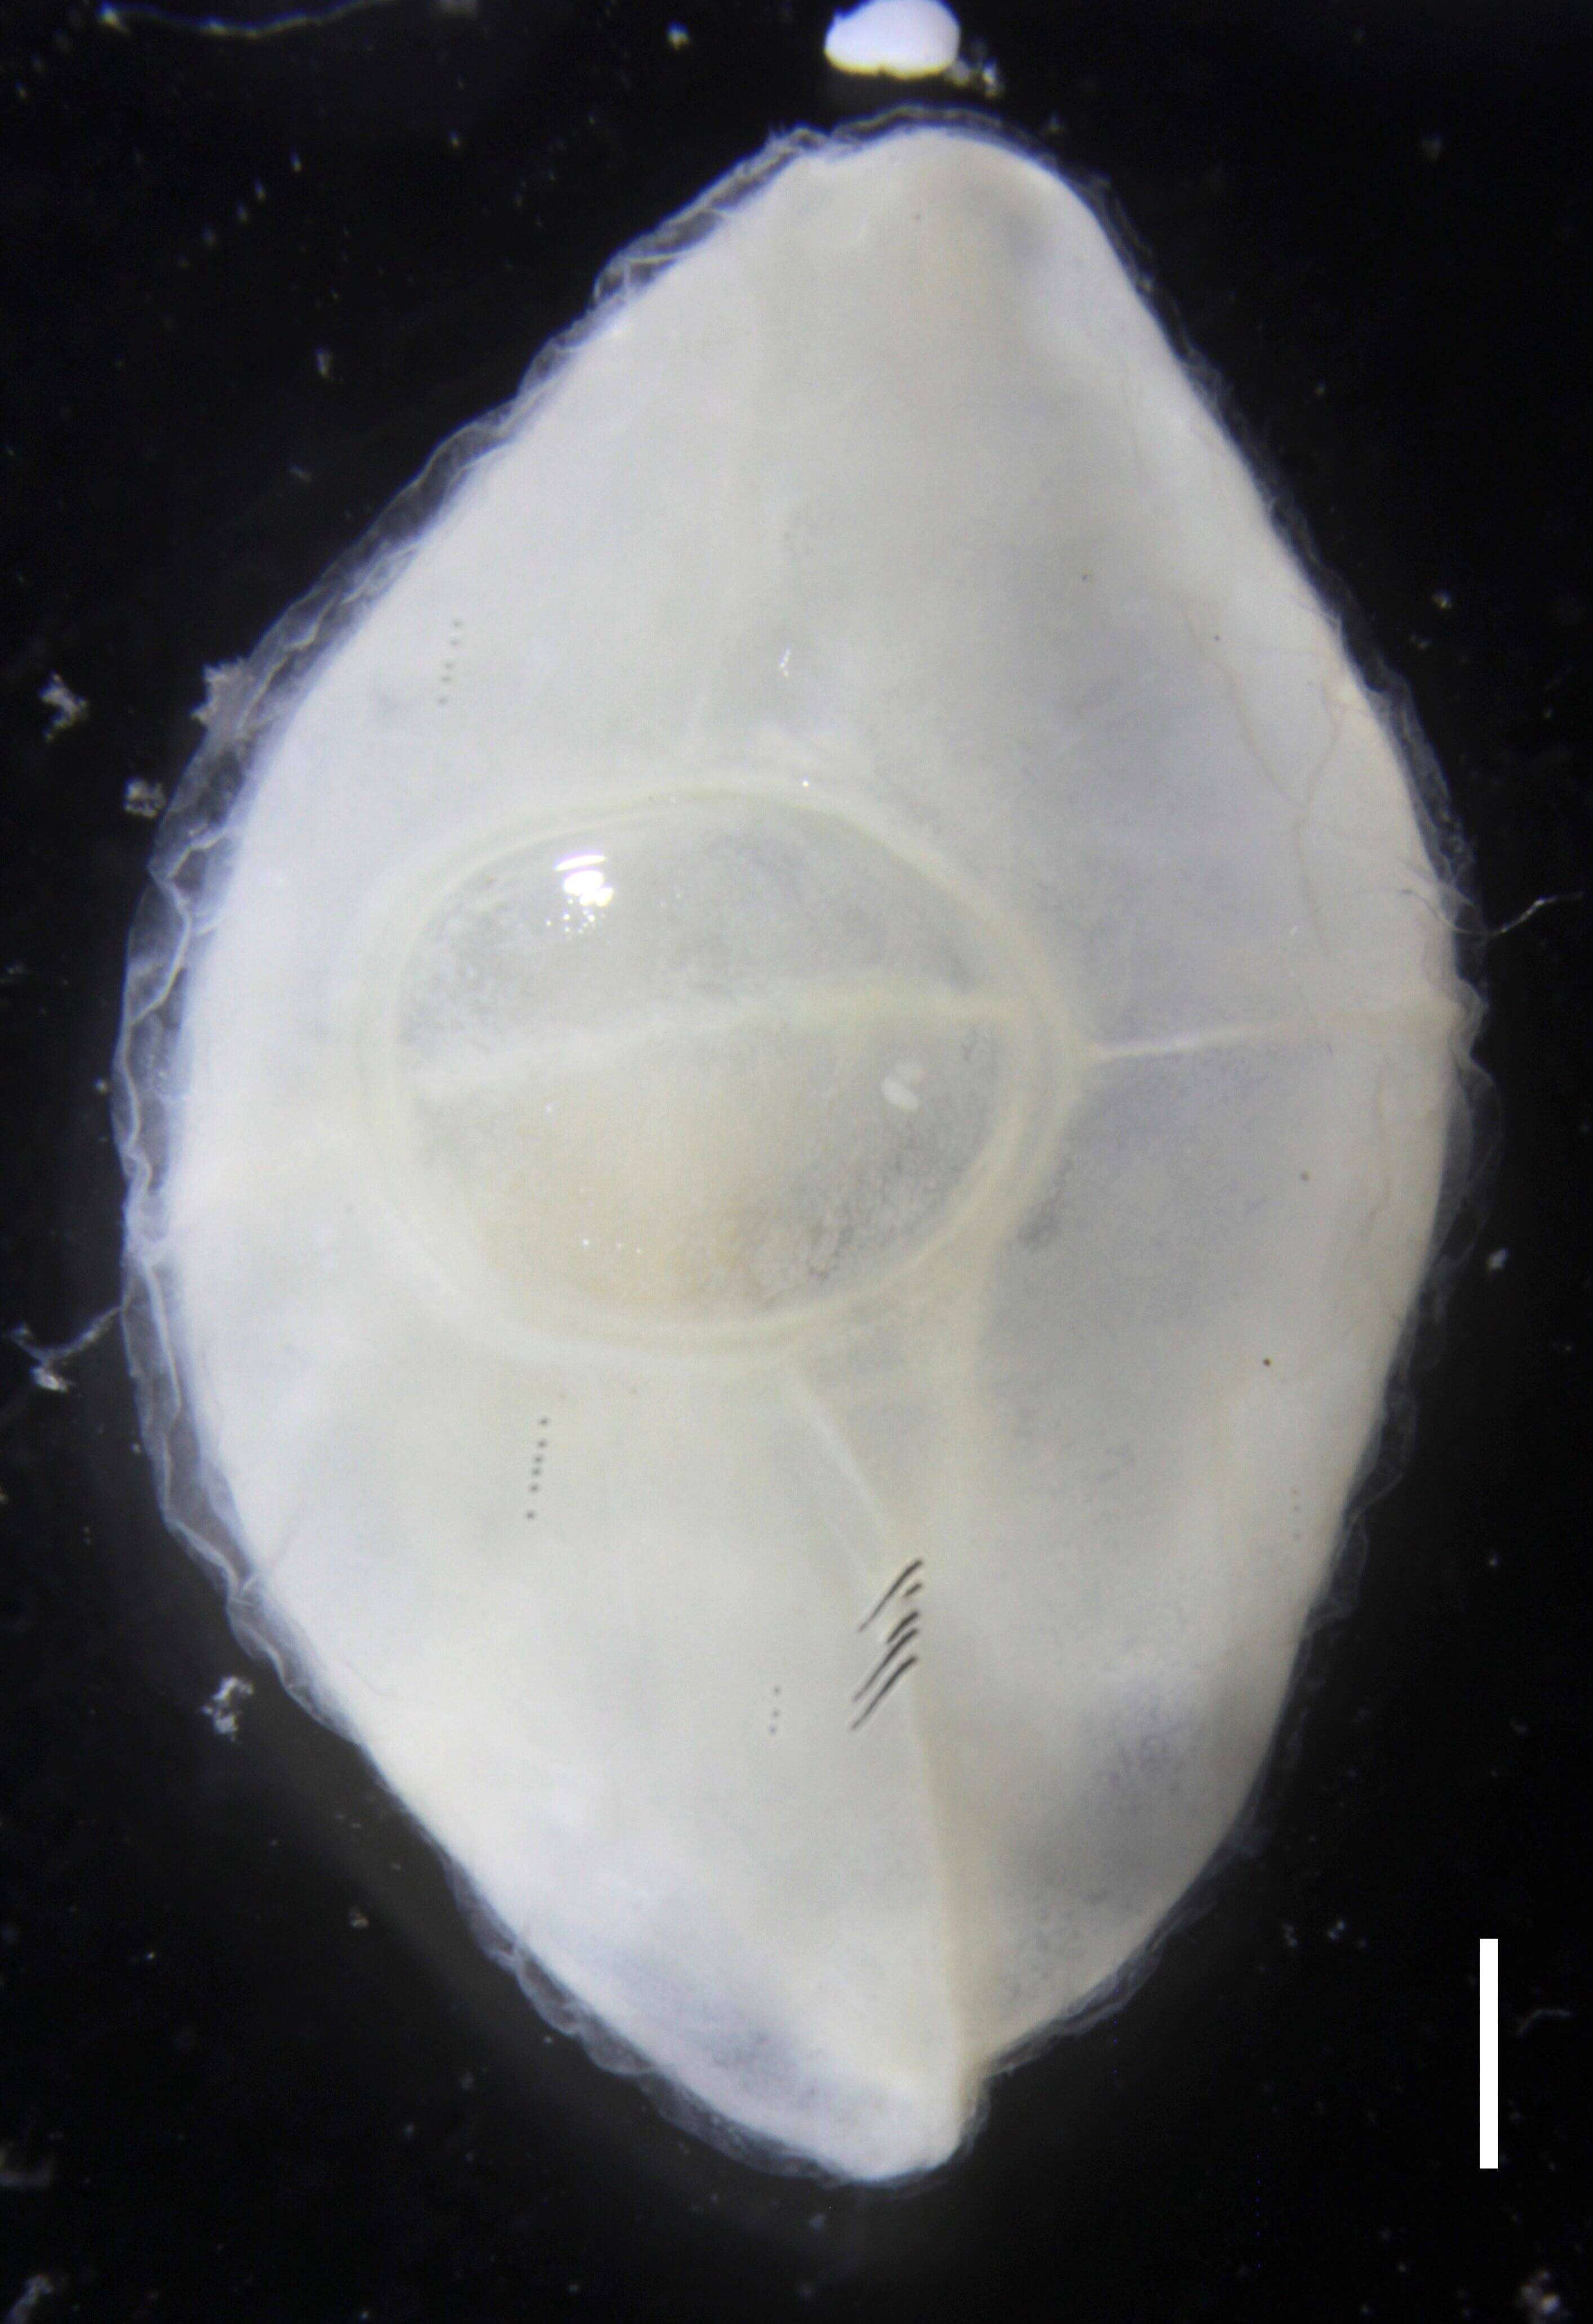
(786, 1083)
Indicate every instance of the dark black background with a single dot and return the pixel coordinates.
(251, 2067)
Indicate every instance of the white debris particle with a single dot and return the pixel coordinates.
(44, 1364)
(227, 691)
(900, 1085)
(142, 799)
(908, 40)
(979, 72)
(65, 707)
(1538, 2297)
(222, 1708)
(34, 2293)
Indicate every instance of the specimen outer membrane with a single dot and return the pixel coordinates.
(786, 1089)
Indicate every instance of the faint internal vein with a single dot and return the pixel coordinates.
(828, 1006)
(1265, 1034)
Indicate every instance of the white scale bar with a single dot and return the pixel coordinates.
(1487, 2054)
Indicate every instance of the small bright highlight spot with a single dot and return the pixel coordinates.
(584, 882)
(900, 1086)
(910, 39)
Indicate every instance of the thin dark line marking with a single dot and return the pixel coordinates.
(889, 1655)
(901, 1671)
(878, 1608)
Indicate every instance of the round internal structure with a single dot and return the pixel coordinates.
(703, 1062)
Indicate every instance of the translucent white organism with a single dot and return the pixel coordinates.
(786, 1085)
(910, 40)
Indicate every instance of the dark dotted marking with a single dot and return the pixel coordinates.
(538, 1457)
(897, 1657)
(449, 662)
(774, 1714)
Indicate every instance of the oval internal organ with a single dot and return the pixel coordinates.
(698, 1065)
(805, 1105)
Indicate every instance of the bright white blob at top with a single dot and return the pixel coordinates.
(780, 1143)
(908, 40)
